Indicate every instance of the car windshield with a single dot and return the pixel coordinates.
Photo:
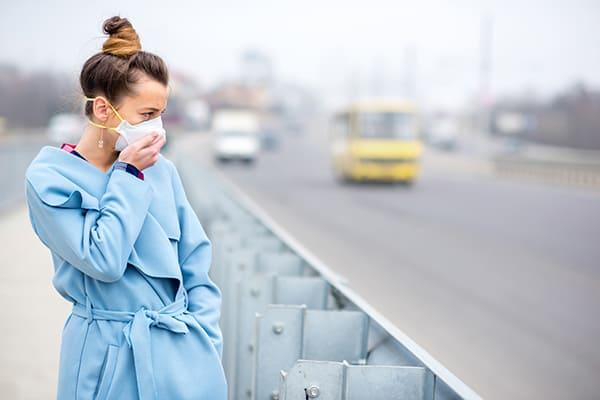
(387, 125)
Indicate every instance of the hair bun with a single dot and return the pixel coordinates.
(123, 40)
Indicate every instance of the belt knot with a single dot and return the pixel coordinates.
(154, 316)
(173, 317)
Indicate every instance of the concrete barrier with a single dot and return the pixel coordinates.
(571, 167)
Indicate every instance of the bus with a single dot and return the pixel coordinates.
(376, 140)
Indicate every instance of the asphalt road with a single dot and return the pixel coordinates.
(499, 280)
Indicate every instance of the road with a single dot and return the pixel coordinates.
(499, 280)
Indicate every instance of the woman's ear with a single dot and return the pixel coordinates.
(101, 109)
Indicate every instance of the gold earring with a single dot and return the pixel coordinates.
(101, 140)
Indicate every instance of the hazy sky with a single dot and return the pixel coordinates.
(338, 47)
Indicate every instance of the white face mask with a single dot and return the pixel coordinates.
(129, 133)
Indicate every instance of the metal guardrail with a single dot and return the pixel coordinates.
(292, 328)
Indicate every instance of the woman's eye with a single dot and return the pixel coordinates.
(147, 115)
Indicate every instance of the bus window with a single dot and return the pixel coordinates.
(387, 125)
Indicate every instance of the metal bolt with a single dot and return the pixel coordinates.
(278, 328)
(242, 266)
(313, 392)
(248, 393)
(254, 292)
(275, 395)
(251, 347)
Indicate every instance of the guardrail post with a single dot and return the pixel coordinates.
(255, 294)
(288, 333)
(309, 379)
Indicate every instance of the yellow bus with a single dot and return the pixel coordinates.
(376, 140)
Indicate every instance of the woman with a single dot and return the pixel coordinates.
(128, 250)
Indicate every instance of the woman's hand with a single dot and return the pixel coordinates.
(143, 153)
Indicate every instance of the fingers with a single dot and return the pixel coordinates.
(145, 151)
(147, 140)
(157, 144)
(153, 149)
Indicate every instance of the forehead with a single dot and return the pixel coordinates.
(148, 92)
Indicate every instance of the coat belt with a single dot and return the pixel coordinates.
(173, 317)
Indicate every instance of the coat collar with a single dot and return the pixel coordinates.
(61, 179)
(64, 180)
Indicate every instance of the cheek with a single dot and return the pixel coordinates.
(133, 117)
(128, 110)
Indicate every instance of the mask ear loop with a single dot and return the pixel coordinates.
(102, 127)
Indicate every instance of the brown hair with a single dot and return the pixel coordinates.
(120, 64)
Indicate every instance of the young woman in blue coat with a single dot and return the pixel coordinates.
(128, 250)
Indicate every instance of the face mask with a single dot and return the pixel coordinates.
(129, 133)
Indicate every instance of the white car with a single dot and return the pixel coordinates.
(231, 145)
(236, 135)
(444, 133)
(65, 128)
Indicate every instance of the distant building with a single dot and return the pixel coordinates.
(571, 119)
(256, 69)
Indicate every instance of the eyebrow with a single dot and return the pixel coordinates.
(153, 109)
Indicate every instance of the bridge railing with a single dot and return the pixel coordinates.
(292, 328)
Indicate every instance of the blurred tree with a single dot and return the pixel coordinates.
(28, 100)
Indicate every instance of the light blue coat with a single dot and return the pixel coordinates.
(133, 258)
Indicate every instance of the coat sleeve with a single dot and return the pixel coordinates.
(97, 242)
(195, 257)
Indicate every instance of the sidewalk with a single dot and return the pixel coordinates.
(33, 313)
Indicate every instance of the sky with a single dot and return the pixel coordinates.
(429, 49)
